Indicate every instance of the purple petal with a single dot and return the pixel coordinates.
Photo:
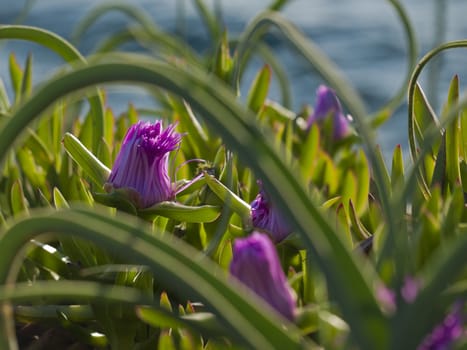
(446, 333)
(410, 289)
(142, 163)
(256, 264)
(327, 105)
(386, 297)
(266, 216)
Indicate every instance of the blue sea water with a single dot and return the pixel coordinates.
(364, 38)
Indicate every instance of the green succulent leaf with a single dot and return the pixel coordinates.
(4, 100)
(259, 89)
(397, 171)
(228, 197)
(453, 136)
(16, 76)
(119, 199)
(59, 199)
(18, 202)
(91, 166)
(26, 83)
(181, 212)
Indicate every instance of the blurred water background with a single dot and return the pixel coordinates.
(364, 37)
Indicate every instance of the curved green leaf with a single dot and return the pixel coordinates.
(91, 166)
(92, 16)
(150, 34)
(323, 65)
(412, 86)
(331, 73)
(412, 56)
(176, 264)
(43, 37)
(70, 54)
(431, 134)
(209, 19)
(231, 199)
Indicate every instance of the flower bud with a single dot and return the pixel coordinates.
(141, 166)
(256, 264)
(266, 216)
(328, 106)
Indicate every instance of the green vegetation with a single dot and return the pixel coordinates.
(375, 257)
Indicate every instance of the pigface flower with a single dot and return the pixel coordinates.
(266, 216)
(446, 333)
(408, 292)
(256, 264)
(410, 289)
(328, 106)
(141, 166)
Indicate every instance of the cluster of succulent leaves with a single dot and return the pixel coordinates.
(106, 274)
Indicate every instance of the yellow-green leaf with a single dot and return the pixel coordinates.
(259, 89)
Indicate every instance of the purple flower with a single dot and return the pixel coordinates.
(388, 298)
(328, 105)
(266, 216)
(410, 289)
(446, 333)
(256, 264)
(141, 165)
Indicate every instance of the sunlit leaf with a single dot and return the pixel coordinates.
(424, 116)
(223, 62)
(16, 76)
(59, 199)
(4, 100)
(180, 212)
(228, 197)
(397, 170)
(26, 83)
(91, 166)
(453, 136)
(259, 89)
(18, 202)
(81, 333)
(362, 173)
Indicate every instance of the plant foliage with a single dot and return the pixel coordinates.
(375, 256)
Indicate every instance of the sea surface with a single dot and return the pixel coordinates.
(363, 37)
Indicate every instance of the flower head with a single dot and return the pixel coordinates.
(141, 165)
(386, 297)
(410, 289)
(446, 333)
(266, 216)
(328, 106)
(256, 264)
